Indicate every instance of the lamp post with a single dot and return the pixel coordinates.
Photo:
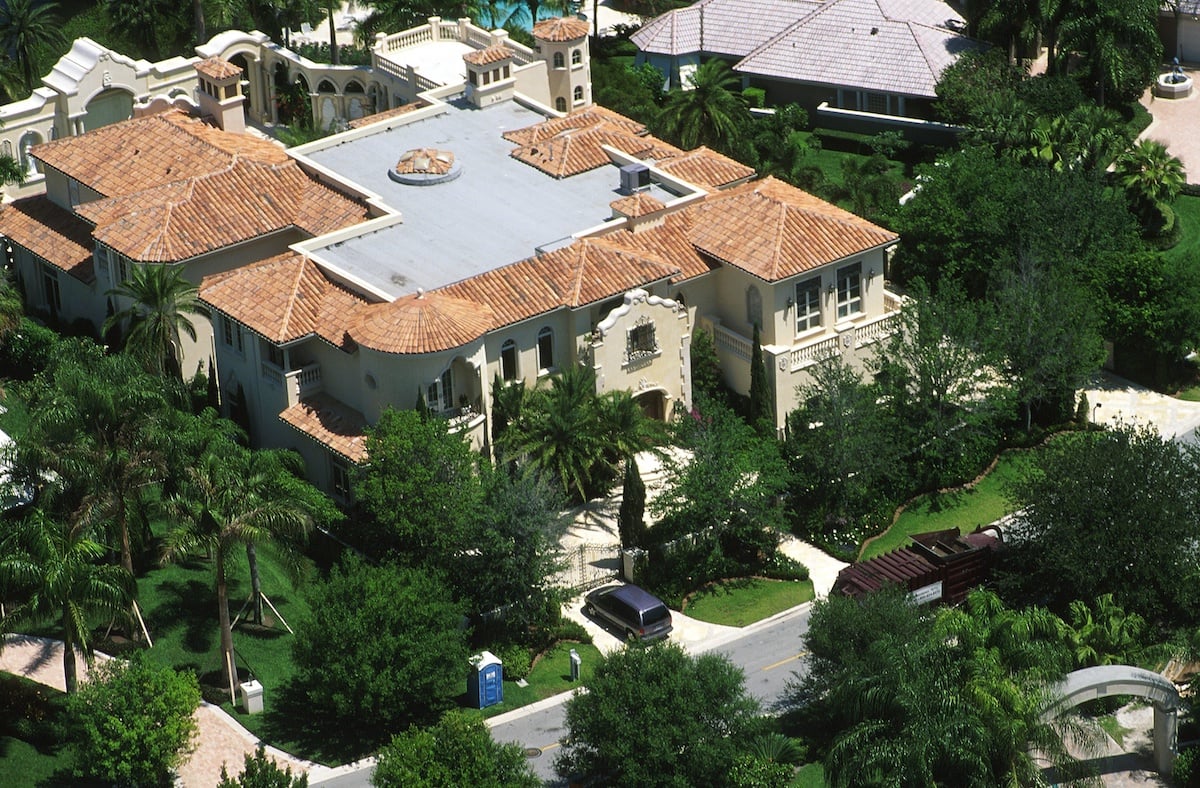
(1095, 408)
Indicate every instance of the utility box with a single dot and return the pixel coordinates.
(576, 662)
(252, 700)
(485, 681)
(633, 564)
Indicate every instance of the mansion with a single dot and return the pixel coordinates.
(483, 224)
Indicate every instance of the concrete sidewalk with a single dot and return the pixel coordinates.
(1113, 401)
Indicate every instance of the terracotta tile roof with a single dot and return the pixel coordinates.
(154, 150)
(583, 273)
(705, 167)
(773, 230)
(218, 68)
(283, 298)
(430, 160)
(488, 55)
(591, 116)
(561, 29)
(52, 233)
(331, 422)
(395, 112)
(189, 218)
(637, 205)
(670, 241)
(579, 150)
(421, 323)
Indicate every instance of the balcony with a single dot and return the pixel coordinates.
(302, 383)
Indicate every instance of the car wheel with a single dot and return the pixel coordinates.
(630, 636)
(590, 609)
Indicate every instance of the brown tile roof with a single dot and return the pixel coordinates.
(583, 273)
(395, 112)
(637, 205)
(576, 151)
(52, 233)
(185, 219)
(283, 298)
(670, 240)
(331, 422)
(705, 167)
(488, 55)
(154, 150)
(561, 29)
(591, 116)
(218, 68)
(773, 230)
(430, 160)
(421, 323)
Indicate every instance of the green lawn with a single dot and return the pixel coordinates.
(15, 418)
(550, 676)
(811, 775)
(963, 509)
(31, 748)
(743, 601)
(1187, 212)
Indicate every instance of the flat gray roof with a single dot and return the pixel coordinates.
(498, 211)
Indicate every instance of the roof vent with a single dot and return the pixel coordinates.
(634, 178)
(425, 167)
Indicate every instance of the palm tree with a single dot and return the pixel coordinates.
(161, 308)
(1118, 41)
(1106, 636)
(25, 27)
(58, 568)
(710, 112)
(1150, 174)
(234, 497)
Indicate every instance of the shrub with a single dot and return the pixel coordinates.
(784, 567)
(755, 97)
(1186, 774)
(571, 630)
(262, 772)
(517, 661)
(28, 350)
(132, 723)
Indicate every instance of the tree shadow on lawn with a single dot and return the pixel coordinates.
(292, 720)
(188, 603)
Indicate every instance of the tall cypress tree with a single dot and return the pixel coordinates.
(762, 406)
(631, 518)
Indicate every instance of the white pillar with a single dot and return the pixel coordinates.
(1166, 722)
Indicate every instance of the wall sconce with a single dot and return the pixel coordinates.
(871, 274)
(790, 303)
(832, 289)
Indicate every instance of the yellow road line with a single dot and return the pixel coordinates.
(785, 661)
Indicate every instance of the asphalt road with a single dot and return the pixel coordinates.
(769, 652)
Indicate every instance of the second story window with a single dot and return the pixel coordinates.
(231, 334)
(559, 62)
(545, 349)
(508, 360)
(440, 392)
(576, 57)
(754, 306)
(808, 305)
(849, 291)
(640, 341)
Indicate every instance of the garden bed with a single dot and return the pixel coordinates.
(742, 601)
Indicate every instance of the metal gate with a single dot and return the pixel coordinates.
(590, 565)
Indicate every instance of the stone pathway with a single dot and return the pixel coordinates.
(1175, 123)
(1114, 400)
(220, 739)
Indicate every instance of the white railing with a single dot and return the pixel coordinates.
(408, 38)
(448, 31)
(732, 342)
(380, 63)
(876, 329)
(307, 379)
(477, 37)
(814, 353)
(892, 302)
(272, 373)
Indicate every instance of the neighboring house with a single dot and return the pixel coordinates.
(1179, 29)
(474, 235)
(875, 56)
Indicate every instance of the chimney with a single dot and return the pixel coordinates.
(221, 93)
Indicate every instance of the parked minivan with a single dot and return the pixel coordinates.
(637, 613)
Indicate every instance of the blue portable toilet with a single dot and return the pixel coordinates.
(485, 681)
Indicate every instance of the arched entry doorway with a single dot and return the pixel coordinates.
(1105, 681)
(653, 403)
(248, 92)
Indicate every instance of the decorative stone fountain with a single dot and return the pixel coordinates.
(425, 167)
(1174, 84)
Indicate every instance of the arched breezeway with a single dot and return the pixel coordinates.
(1106, 681)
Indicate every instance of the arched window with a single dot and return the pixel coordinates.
(545, 349)
(508, 360)
(753, 306)
(354, 86)
(560, 104)
(558, 60)
(579, 92)
(576, 57)
(679, 299)
(326, 86)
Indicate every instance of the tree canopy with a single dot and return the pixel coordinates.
(628, 727)
(457, 750)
